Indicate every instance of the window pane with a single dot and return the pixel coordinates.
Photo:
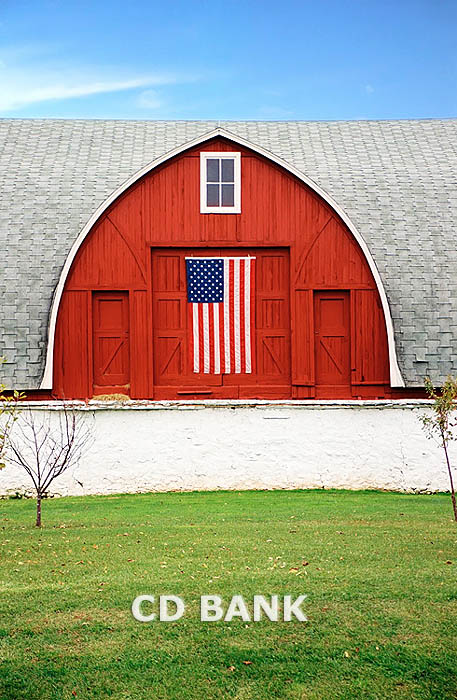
(212, 195)
(228, 170)
(228, 195)
(212, 170)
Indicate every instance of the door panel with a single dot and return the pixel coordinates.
(332, 344)
(271, 376)
(173, 360)
(111, 352)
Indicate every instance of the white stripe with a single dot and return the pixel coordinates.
(226, 315)
(219, 257)
(205, 338)
(196, 338)
(236, 315)
(217, 353)
(247, 315)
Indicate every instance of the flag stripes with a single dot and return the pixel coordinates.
(221, 331)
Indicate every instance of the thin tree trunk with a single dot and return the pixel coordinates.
(38, 510)
(454, 505)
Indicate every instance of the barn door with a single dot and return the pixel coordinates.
(332, 344)
(111, 352)
(174, 375)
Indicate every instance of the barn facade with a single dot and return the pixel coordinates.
(347, 231)
(318, 323)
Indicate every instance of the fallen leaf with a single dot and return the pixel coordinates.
(230, 668)
(448, 562)
(247, 663)
(346, 653)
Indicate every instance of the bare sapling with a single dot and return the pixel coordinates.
(46, 444)
(439, 425)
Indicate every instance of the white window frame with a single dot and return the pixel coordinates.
(204, 208)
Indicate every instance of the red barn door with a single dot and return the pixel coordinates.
(332, 344)
(111, 352)
(173, 362)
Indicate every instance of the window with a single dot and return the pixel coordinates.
(220, 183)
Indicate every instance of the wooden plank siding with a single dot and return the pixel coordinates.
(304, 250)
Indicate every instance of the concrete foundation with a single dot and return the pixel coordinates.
(158, 446)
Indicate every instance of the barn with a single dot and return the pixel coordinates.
(233, 273)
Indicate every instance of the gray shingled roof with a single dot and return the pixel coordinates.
(396, 180)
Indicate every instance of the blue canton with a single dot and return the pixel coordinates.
(205, 280)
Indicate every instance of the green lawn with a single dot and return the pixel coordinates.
(381, 607)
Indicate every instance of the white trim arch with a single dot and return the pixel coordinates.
(396, 379)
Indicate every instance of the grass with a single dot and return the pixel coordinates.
(381, 607)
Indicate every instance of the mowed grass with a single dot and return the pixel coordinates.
(381, 607)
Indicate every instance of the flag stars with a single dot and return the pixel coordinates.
(205, 280)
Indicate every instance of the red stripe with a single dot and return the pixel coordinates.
(253, 323)
(242, 316)
(190, 324)
(211, 337)
(221, 337)
(232, 314)
(201, 365)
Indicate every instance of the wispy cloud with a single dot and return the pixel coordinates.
(149, 99)
(29, 82)
(369, 89)
(12, 96)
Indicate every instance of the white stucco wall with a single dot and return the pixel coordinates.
(152, 446)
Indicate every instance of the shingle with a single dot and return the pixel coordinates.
(396, 180)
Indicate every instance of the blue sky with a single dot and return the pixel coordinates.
(329, 59)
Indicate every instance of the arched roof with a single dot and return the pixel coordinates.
(393, 183)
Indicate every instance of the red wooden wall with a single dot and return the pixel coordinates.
(319, 325)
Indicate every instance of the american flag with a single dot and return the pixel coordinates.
(220, 293)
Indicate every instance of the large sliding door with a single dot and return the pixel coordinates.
(174, 375)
